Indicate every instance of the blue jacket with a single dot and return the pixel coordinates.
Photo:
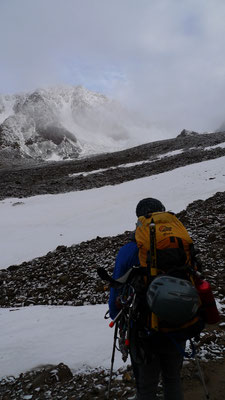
(126, 258)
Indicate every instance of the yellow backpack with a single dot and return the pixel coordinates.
(172, 241)
(164, 248)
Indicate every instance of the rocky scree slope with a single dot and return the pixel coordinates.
(68, 276)
(57, 382)
(110, 169)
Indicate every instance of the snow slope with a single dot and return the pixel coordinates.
(34, 336)
(39, 224)
(79, 336)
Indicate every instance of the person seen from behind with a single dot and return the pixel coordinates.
(157, 355)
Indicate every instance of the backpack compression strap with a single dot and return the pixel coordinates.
(152, 267)
(151, 255)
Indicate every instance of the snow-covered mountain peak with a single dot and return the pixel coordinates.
(63, 122)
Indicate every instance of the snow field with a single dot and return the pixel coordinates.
(79, 336)
(41, 223)
(38, 335)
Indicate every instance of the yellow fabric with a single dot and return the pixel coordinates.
(186, 325)
(154, 322)
(166, 225)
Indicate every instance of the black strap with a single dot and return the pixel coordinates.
(148, 262)
(152, 251)
(180, 243)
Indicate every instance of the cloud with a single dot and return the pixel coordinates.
(165, 59)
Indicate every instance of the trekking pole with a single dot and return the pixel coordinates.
(206, 393)
(112, 359)
(112, 323)
(153, 266)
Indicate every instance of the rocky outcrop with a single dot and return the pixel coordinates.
(187, 133)
(33, 127)
(62, 123)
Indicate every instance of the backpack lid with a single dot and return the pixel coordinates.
(167, 226)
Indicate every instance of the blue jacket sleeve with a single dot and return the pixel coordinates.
(126, 258)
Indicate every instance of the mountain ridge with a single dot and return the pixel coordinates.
(110, 168)
(65, 123)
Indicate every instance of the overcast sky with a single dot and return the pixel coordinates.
(163, 57)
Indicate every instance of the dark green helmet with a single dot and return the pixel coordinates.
(148, 206)
(173, 300)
